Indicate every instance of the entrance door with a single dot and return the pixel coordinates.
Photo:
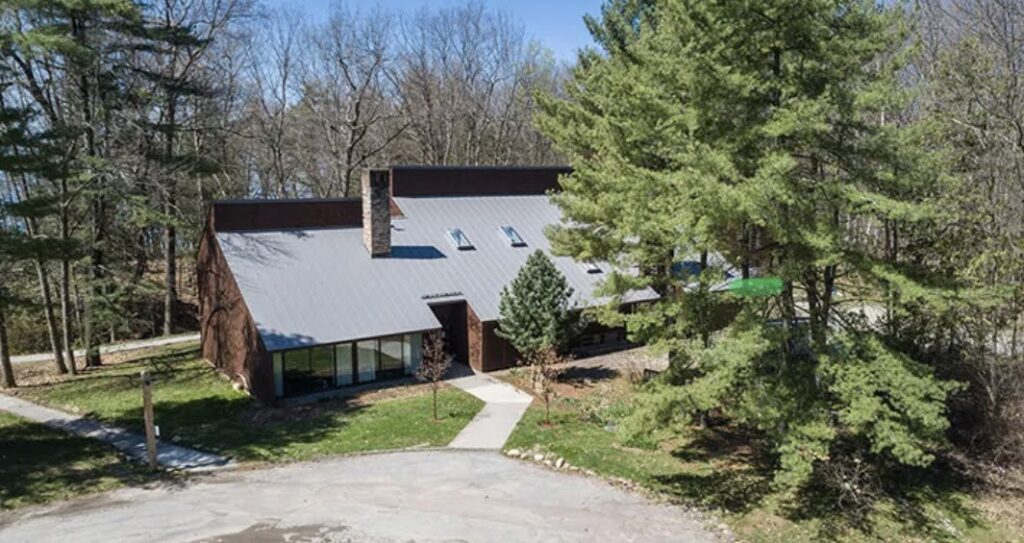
(452, 317)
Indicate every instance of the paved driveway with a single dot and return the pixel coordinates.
(407, 496)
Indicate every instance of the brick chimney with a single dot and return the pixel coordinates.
(377, 212)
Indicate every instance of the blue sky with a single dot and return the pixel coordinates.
(558, 24)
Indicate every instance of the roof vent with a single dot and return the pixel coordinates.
(459, 239)
(513, 237)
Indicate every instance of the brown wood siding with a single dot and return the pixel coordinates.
(498, 352)
(230, 340)
(473, 181)
(238, 215)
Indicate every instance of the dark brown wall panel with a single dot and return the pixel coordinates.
(498, 352)
(230, 340)
(237, 215)
(473, 181)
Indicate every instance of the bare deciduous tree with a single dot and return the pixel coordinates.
(545, 368)
(435, 364)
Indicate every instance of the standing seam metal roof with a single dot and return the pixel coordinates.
(316, 286)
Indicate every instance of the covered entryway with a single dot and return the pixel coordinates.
(452, 316)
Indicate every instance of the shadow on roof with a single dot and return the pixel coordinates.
(416, 252)
(274, 340)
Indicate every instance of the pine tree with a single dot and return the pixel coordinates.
(70, 59)
(766, 132)
(535, 308)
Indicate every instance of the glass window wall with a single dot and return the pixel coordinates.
(305, 371)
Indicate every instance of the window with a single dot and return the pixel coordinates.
(459, 239)
(512, 236)
(412, 353)
(321, 363)
(297, 373)
(278, 374)
(591, 267)
(343, 364)
(391, 355)
(366, 355)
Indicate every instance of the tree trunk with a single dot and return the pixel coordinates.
(435, 403)
(31, 224)
(91, 332)
(171, 267)
(98, 206)
(171, 233)
(65, 283)
(5, 354)
(705, 326)
(51, 319)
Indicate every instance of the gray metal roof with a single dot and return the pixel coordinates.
(315, 286)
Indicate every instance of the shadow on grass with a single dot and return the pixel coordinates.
(739, 477)
(577, 375)
(930, 503)
(732, 470)
(241, 429)
(127, 373)
(39, 464)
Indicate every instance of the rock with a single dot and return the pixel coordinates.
(524, 455)
(512, 452)
(559, 463)
(538, 457)
(547, 463)
(590, 472)
(574, 468)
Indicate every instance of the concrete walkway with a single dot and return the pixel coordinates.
(113, 348)
(491, 427)
(134, 445)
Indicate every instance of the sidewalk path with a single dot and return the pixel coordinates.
(133, 445)
(491, 427)
(113, 348)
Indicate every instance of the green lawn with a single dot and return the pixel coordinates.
(39, 464)
(195, 406)
(724, 472)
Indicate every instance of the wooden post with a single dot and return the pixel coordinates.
(147, 413)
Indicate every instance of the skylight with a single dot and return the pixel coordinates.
(512, 236)
(592, 268)
(459, 239)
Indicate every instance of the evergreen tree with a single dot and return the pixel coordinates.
(765, 132)
(535, 308)
(70, 58)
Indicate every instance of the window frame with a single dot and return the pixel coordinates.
(512, 235)
(459, 239)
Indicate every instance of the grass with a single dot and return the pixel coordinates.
(196, 406)
(39, 465)
(727, 472)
